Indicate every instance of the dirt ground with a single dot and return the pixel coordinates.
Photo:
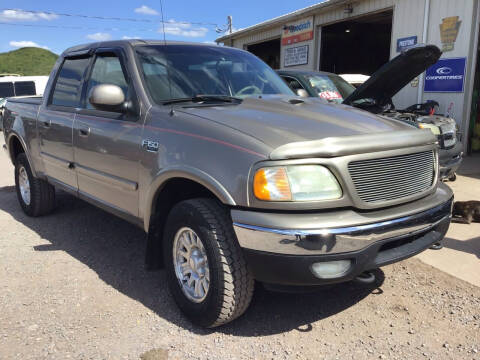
(73, 285)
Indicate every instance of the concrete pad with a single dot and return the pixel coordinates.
(460, 256)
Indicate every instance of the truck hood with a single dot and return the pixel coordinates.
(394, 75)
(277, 120)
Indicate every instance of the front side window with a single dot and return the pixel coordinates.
(68, 88)
(107, 70)
(293, 84)
(330, 87)
(185, 71)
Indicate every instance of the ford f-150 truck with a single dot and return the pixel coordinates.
(233, 177)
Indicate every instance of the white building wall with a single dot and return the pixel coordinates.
(440, 9)
(407, 21)
(260, 36)
(359, 8)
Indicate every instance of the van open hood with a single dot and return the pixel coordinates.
(394, 75)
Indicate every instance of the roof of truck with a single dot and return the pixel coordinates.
(132, 42)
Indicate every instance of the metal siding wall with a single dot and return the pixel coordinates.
(258, 37)
(359, 8)
(407, 21)
(465, 9)
(334, 15)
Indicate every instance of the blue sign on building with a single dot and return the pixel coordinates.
(447, 75)
(406, 42)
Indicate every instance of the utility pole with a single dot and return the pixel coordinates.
(229, 24)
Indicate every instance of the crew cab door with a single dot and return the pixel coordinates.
(107, 144)
(55, 122)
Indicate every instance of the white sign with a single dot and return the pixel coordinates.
(296, 56)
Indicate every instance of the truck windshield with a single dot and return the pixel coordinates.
(187, 71)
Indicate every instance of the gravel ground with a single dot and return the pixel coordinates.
(73, 285)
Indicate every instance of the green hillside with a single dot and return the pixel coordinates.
(27, 61)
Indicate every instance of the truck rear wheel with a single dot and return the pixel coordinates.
(207, 274)
(36, 196)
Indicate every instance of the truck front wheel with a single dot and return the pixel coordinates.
(207, 274)
(36, 196)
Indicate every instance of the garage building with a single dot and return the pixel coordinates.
(358, 37)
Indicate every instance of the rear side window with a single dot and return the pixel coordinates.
(6, 89)
(68, 88)
(23, 88)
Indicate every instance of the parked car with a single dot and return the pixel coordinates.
(233, 177)
(375, 96)
(22, 85)
(324, 85)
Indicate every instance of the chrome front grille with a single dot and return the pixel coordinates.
(392, 178)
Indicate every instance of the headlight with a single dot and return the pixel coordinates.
(433, 128)
(295, 183)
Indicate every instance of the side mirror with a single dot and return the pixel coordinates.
(107, 97)
(302, 92)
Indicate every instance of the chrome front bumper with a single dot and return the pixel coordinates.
(339, 232)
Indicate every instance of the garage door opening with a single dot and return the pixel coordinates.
(268, 51)
(358, 46)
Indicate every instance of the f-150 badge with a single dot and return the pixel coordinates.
(150, 145)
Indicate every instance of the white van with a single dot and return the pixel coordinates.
(22, 85)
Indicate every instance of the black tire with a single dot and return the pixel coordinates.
(42, 194)
(231, 282)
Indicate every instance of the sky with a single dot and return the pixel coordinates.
(45, 27)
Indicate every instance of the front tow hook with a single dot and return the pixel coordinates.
(367, 277)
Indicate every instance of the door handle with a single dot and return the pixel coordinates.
(46, 123)
(84, 131)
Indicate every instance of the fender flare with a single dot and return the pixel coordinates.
(13, 134)
(185, 172)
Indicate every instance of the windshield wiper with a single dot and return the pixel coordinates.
(205, 98)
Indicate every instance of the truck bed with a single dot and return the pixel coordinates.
(34, 100)
(26, 105)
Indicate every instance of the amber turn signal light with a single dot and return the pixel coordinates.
(271, 184)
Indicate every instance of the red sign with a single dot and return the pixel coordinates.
(330, 95)
(297, 38)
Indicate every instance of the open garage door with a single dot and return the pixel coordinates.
(357, 46)
(268, 51)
